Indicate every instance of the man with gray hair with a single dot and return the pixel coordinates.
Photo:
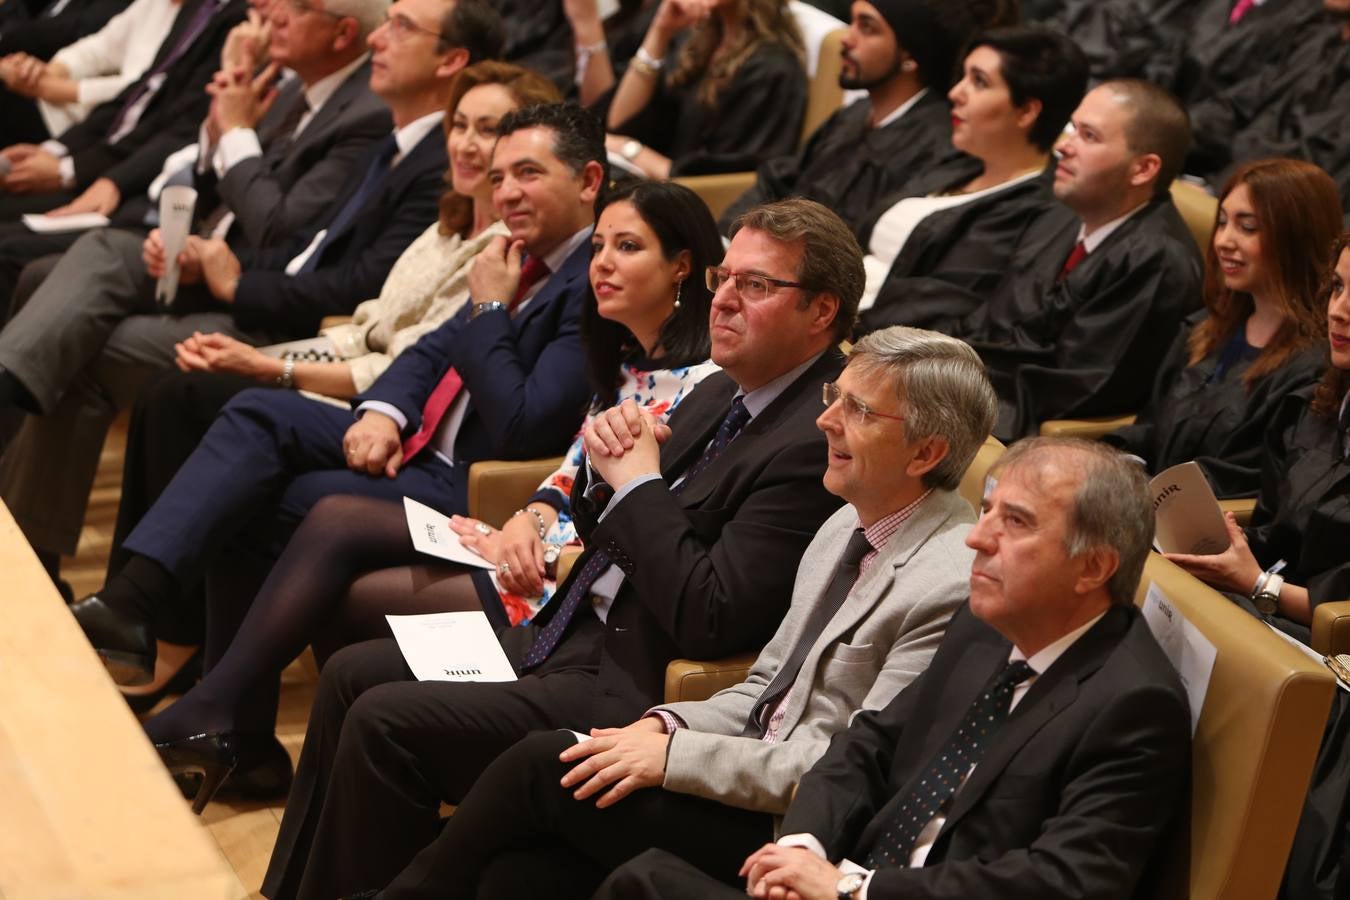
(873, 595)
(1043, 752)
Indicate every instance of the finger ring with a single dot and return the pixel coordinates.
(504, 568)
(483, 528)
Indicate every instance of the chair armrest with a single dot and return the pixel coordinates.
(566, 559)
(1087, 429)
(1241, 508)
(1330, 629)
(498, 488)
(333, 321)
(718, 191)
(691, 679)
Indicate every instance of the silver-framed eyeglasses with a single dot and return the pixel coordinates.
(400, 26)
(750, 286)
(855, 410)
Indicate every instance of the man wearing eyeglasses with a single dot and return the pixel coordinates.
(874, 592)
(693, 534)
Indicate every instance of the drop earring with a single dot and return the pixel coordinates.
(679, 286)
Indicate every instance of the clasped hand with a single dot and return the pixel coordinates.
(201, 259)
(621, 759)
(624, 442)
(238, 101)
(32, 170)
(775, 872)
(373, 445)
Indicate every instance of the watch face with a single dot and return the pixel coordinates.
(1266, 604)
(847, 886)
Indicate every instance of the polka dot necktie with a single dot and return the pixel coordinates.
(944, 773)
(599, 563)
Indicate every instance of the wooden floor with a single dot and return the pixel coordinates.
(244, 832)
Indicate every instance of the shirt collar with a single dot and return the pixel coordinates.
(410, 135)
(902, 109)
(558, 255)
(881, 531)
(1044, 658)
(759, 399)
(1101, 234)
(317, 94)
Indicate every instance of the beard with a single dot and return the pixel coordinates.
(858, 82)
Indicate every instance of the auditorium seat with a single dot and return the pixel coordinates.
(1331, 628)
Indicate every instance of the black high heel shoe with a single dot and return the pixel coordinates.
(213, 755)
(126, 647)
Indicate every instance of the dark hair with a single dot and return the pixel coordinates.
(1298, 211)
(680, 221)
(709, 62)
(578, 134)
(1335, 382)
(1158, 124)
(832, 261)
(994, 13)
(475, 26)
(1042, 64)
(524, 86)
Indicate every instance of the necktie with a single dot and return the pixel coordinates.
(845, 576)
(944, 773)
(374, 178)
(185, 40)
(1240, 9)
(277, 141)
(448, 388)
(1075, 257)
(599, 563)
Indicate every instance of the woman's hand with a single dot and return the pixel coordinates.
(1235, 569)
(516, 550)
(675, 16)
(222, 353)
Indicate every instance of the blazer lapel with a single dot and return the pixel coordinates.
(574, 267)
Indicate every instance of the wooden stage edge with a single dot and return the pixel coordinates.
(86, 809)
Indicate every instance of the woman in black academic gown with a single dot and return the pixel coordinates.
(938, 245)
(1260, 336)
(716, 86)
(1296, 553)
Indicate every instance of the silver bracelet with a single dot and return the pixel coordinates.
(287, 377)
(538, 518)
(584, 55)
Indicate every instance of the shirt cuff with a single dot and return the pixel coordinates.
(625, 491)
(236, 145)
(67, 169)
(55, 148)
(387, 409)
(804, 840)
(671, 722)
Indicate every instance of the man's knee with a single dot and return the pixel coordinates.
(357, 668)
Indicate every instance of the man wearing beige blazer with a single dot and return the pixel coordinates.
(873, 595)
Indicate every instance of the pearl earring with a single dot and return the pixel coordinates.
(679, 286)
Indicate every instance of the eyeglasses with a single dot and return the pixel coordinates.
(752, 288)
(297, 7)
(855, 410)
(400, 26)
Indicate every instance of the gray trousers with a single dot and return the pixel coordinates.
(83, 345)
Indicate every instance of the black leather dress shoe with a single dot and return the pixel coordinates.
(127, 647)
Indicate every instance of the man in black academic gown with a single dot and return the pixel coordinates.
(1292, 104)
(903, 53)
(1098, 287)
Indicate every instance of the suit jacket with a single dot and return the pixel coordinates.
(879, 641)
(24, 29)
(169, 121)
(526, 375)
(355, 262)
(1088, 345)
(1070, 797)
(708, 572)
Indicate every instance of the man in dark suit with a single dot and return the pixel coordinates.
(124, 142)
(903, 53)
(79, 357)
(692, 536)
(1044, 752)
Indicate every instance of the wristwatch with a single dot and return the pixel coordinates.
(1266, 598)
(480, 308)
(849, 885)
(630, 150)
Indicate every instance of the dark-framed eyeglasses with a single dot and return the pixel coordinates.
(855, 410)
(401, 27)
(750, 286)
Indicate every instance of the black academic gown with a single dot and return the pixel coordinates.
(1122, 38)
(758, 115)
(1216, 53)
(1088, 345)
(1197, 413)
(847, 165)
(956, 257)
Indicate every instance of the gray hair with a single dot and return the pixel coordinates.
(944, 389)
(1112, 507)
(369, 14)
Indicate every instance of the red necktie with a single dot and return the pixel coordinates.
(1075, 257)
(450, 384)
(1240, 9)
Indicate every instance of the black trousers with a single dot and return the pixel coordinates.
(660, 874)
(518, 810)
(383, 751)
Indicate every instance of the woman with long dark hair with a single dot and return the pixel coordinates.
(651, 245)
(1260, 336)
